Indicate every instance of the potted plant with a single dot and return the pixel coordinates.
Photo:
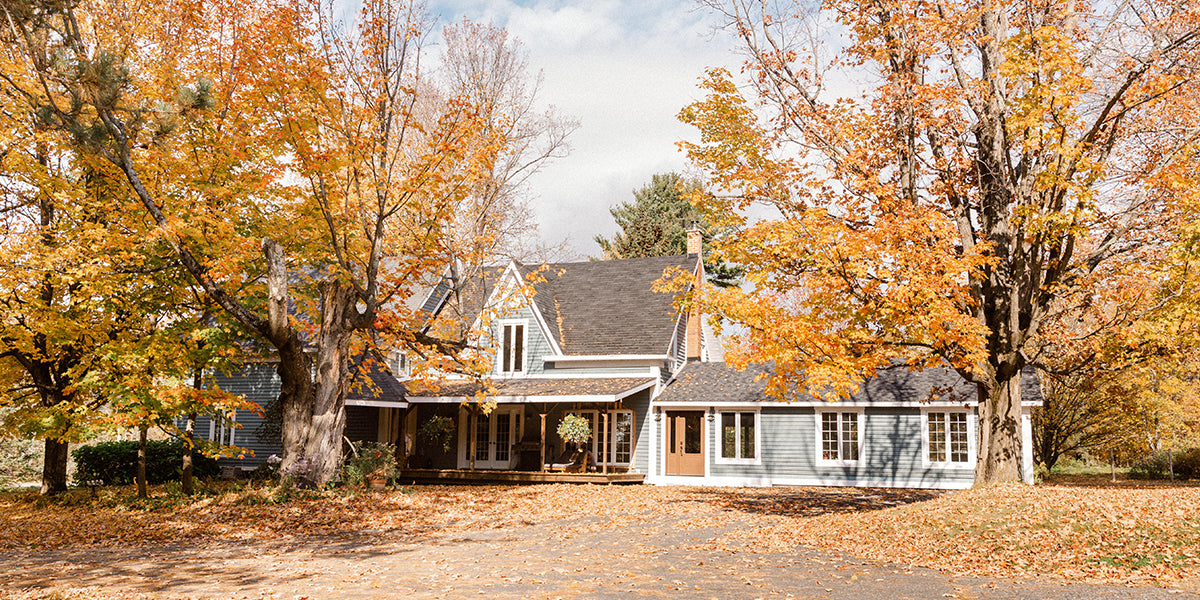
(437, 431)
(371, 464)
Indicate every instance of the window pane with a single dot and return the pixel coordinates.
(503, 422)
(481, 437)
(506, 350)
(937, 437)
(747, 435)
(622, 436)
(849, 436)
(728, 435)
(692, 443)
(829, 436)
(518, 347)
(958, 437)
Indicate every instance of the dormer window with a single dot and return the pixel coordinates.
(398, 364)
(512, 347)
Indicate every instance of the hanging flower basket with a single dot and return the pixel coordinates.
(574, 429)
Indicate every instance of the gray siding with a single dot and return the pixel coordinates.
(536, 344)
(258, 383)
(639, 403)
(892, 447)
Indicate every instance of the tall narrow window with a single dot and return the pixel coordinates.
(839, 436)
(512, 348)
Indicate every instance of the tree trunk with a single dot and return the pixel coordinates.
(324, 446)
(54, 468)
(999, 431)
(296, 394)
(189, 433)
(143, 490)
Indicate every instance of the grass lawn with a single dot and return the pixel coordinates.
(1113, 534)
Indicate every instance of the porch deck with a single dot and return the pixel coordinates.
(467, 476)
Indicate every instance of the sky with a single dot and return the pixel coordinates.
(624, 69)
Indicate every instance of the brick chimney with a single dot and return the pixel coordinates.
(695, 243)
(695, 247)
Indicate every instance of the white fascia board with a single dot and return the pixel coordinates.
(513, 399)
(636, 389)
(819, 404)
(533, 307)
(377, 403)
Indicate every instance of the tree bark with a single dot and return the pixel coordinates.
(188, 470)
(54, 468)
(333, 365)
(999, 431)
(142, 489)
(296, 394)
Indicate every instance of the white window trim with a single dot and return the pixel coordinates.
(720, 445)
(862, 436)
(222, 433)
(971, 440)
(595, 444)
(500, 325)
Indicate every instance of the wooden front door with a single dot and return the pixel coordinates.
(685, 443)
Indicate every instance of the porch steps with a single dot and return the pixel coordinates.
(464, 476)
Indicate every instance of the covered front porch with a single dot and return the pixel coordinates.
(493, 476)
(511, 434)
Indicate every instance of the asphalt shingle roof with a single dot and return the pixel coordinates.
(372, 382)
(608, 306)
(702, 383)
(605, 386)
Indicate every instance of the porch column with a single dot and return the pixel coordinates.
(604, 444)
(542, 447)
(471, 427)
(401, 446)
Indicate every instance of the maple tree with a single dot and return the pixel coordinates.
(305, 171)
(983, 163)
(67, 287)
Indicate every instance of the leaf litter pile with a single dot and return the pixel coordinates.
(1126, 535)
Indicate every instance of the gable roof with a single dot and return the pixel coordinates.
(715, 382)
(462, 309)
(609, 306)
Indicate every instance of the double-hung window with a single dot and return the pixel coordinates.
(512, 347)
(948, 439)
(839, 437)
(739, 436)
(222, 428)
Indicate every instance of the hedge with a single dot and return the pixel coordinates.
(115, 463)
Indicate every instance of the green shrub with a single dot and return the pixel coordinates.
(1158, 466)
(115, 463)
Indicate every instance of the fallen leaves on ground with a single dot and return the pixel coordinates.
(1112, 534)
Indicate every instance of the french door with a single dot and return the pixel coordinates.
(684, 440)
(494, 435)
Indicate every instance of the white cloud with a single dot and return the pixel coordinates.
(624, 68)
